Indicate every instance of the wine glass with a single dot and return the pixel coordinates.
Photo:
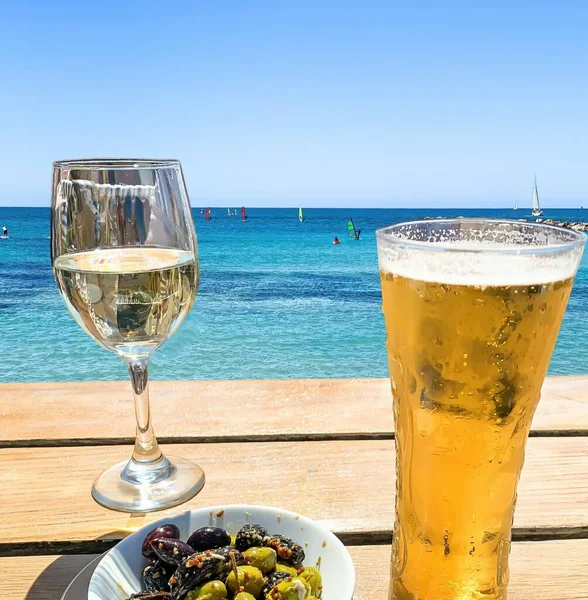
(124, 254)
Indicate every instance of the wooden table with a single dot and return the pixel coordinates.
(320, 447)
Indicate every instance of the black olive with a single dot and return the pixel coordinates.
(225, 552)
(155, 576)
(168, 531)
(273, 580)
(288, 551)
(208, 538)
(249, 536)
(194, 571)
(151, 596)
(172, 552)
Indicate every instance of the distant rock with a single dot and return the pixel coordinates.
(575, 225)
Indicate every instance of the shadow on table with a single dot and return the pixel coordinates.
(53, 581)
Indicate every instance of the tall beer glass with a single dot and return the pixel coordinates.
(472, 311)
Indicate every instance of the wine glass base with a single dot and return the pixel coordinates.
(178, 481)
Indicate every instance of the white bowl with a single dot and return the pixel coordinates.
(117, 576)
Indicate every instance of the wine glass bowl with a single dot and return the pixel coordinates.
(124, 254)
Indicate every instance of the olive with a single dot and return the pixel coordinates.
(244, 596)
(168, 531)
(295, 589)
(207, 538)
(262, 558)
(273, 580)
(150, 596)
(213, 590)
(314, 578)
(194, 571)
(288, 550)
(250, 535)
(169, 551)
(225, 552)
(155, 576)
(281, 568)
(250, 579)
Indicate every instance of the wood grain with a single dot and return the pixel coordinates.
(553, 570)
(40, 577)
(102, 412)
(347, 485)
(197, 410)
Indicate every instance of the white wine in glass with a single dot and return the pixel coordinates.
(125, 259)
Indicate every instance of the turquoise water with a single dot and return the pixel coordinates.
(276, 299)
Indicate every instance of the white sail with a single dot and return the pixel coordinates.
(536, 212)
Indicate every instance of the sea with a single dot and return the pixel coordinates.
(277, 299)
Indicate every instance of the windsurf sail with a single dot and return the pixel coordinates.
(208, 217)
(243, 215)
(300, 215)
(351, 231)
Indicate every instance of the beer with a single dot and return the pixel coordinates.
(467, 359)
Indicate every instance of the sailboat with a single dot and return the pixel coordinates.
(351, 231)
(300, 215)
(243, 215)
(231, 213)
(516, 206)
(536, 211)
(208, 217)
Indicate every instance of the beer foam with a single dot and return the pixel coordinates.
(479, 263)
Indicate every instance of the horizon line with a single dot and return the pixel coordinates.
(296, 206)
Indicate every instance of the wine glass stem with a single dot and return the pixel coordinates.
(146, 447)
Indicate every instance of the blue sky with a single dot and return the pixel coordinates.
(320, 103)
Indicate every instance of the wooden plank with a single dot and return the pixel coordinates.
(554, 570)
(347, 485)
(40, 577)
(102, 412)
(197, 410)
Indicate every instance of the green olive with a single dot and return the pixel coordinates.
(314, 578)
(212, 590)
(262, 558)
(291, 590)
(244, 596)
(250, 579)
(280, 568)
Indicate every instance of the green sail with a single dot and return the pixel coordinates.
(351, 229)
